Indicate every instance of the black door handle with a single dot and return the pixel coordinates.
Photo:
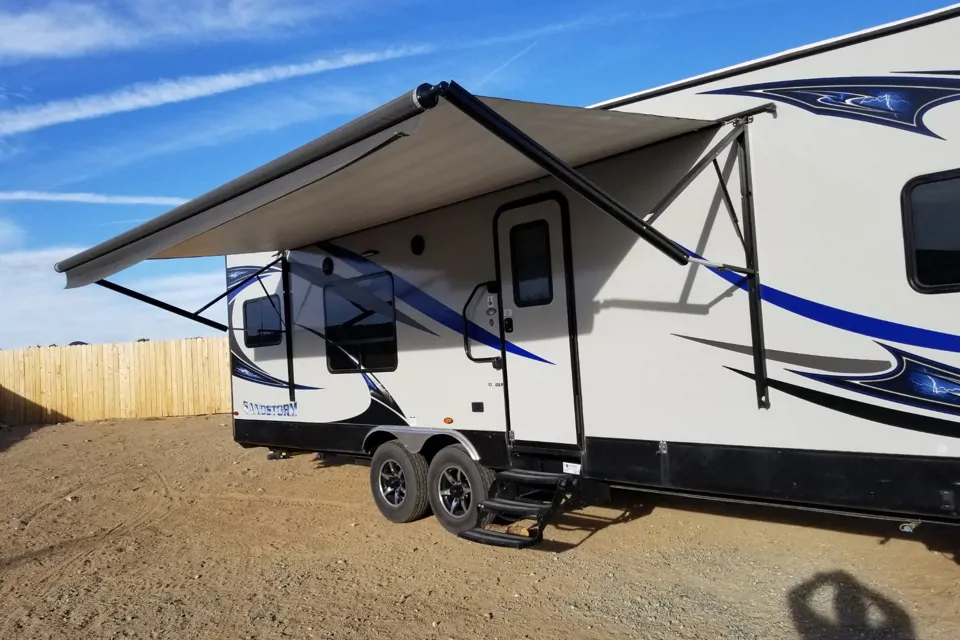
(491, 288)
(508, 325)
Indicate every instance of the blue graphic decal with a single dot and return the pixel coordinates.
(847, 320)
(914, 381)
(892, 101)
(237, 274)
(427, 305)
(246, 370)
(241, 366)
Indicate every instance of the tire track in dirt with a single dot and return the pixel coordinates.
(152, 511)
(277, 499)
(32, 514)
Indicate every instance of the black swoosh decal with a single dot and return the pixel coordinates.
(824, 363)
(874, 413)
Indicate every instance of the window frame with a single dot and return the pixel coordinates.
(271, 298)
(393, 304)
(540, 222)
(908, 235)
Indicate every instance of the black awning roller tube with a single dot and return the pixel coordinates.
(380, 119)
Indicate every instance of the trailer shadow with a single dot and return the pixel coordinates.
(590, 524)
(855, 611)
(937, 538)
(331, 460)
(20, 417)
(681, 306)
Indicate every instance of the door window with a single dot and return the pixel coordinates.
(531, 263)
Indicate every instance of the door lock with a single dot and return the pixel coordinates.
(508, 325)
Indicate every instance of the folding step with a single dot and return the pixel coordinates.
(526, 476)
(498, 538)
(516, 508)
(504, 502)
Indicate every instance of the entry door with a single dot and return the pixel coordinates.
(537, 320)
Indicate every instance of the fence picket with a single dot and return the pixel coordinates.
(95, 382)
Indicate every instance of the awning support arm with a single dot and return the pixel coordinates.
(428, 97)
(237, 286)
(288, 322)
(499, 126)
(753, 280)
(737, 136)
(728, 203)
(183, 313)
(692, 175)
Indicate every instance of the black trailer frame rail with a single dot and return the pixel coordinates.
(428, 96)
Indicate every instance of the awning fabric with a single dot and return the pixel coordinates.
(396, 161)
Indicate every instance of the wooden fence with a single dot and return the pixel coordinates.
(47, 385)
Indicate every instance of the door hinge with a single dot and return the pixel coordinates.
(510, 436)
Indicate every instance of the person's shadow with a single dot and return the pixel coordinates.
(858, 612)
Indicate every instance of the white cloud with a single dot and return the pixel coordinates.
(89, 198)
(147, 95)
(503, 66)
(206, 129)
(37, 310)
(69, 29)
(11, 235)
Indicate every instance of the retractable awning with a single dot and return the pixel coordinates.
(419, 152)
(423, 150)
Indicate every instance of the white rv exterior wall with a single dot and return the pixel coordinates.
(434, 379)
(829, 227)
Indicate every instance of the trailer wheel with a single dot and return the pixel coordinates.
(457, 484)
(398, 482)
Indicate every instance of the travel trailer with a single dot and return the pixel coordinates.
(745, 285)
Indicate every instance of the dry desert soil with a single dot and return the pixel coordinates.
(168, 529)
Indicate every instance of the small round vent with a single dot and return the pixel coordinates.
(417, 245)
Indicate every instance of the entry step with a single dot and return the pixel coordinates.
(498, 538)
(516, 508)
(528, 476)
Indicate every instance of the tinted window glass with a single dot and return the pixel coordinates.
(361, 324)
(531, 264)
(262, 326)
(933, 227)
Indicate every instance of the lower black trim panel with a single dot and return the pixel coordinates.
(301, 436)
(908, 485)
(339, 437)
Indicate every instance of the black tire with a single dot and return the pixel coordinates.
(413, 504)
(479, 478)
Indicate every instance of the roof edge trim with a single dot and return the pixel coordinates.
(857, 37)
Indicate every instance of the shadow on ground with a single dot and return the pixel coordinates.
(942, 539)
(20, 417)
(836, 606)
(589, 524)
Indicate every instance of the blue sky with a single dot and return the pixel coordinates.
(112, 111)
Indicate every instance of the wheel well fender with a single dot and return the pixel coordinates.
(426, 442)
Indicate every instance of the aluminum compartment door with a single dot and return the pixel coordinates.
(536, 316)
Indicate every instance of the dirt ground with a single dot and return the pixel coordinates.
(167, 529)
